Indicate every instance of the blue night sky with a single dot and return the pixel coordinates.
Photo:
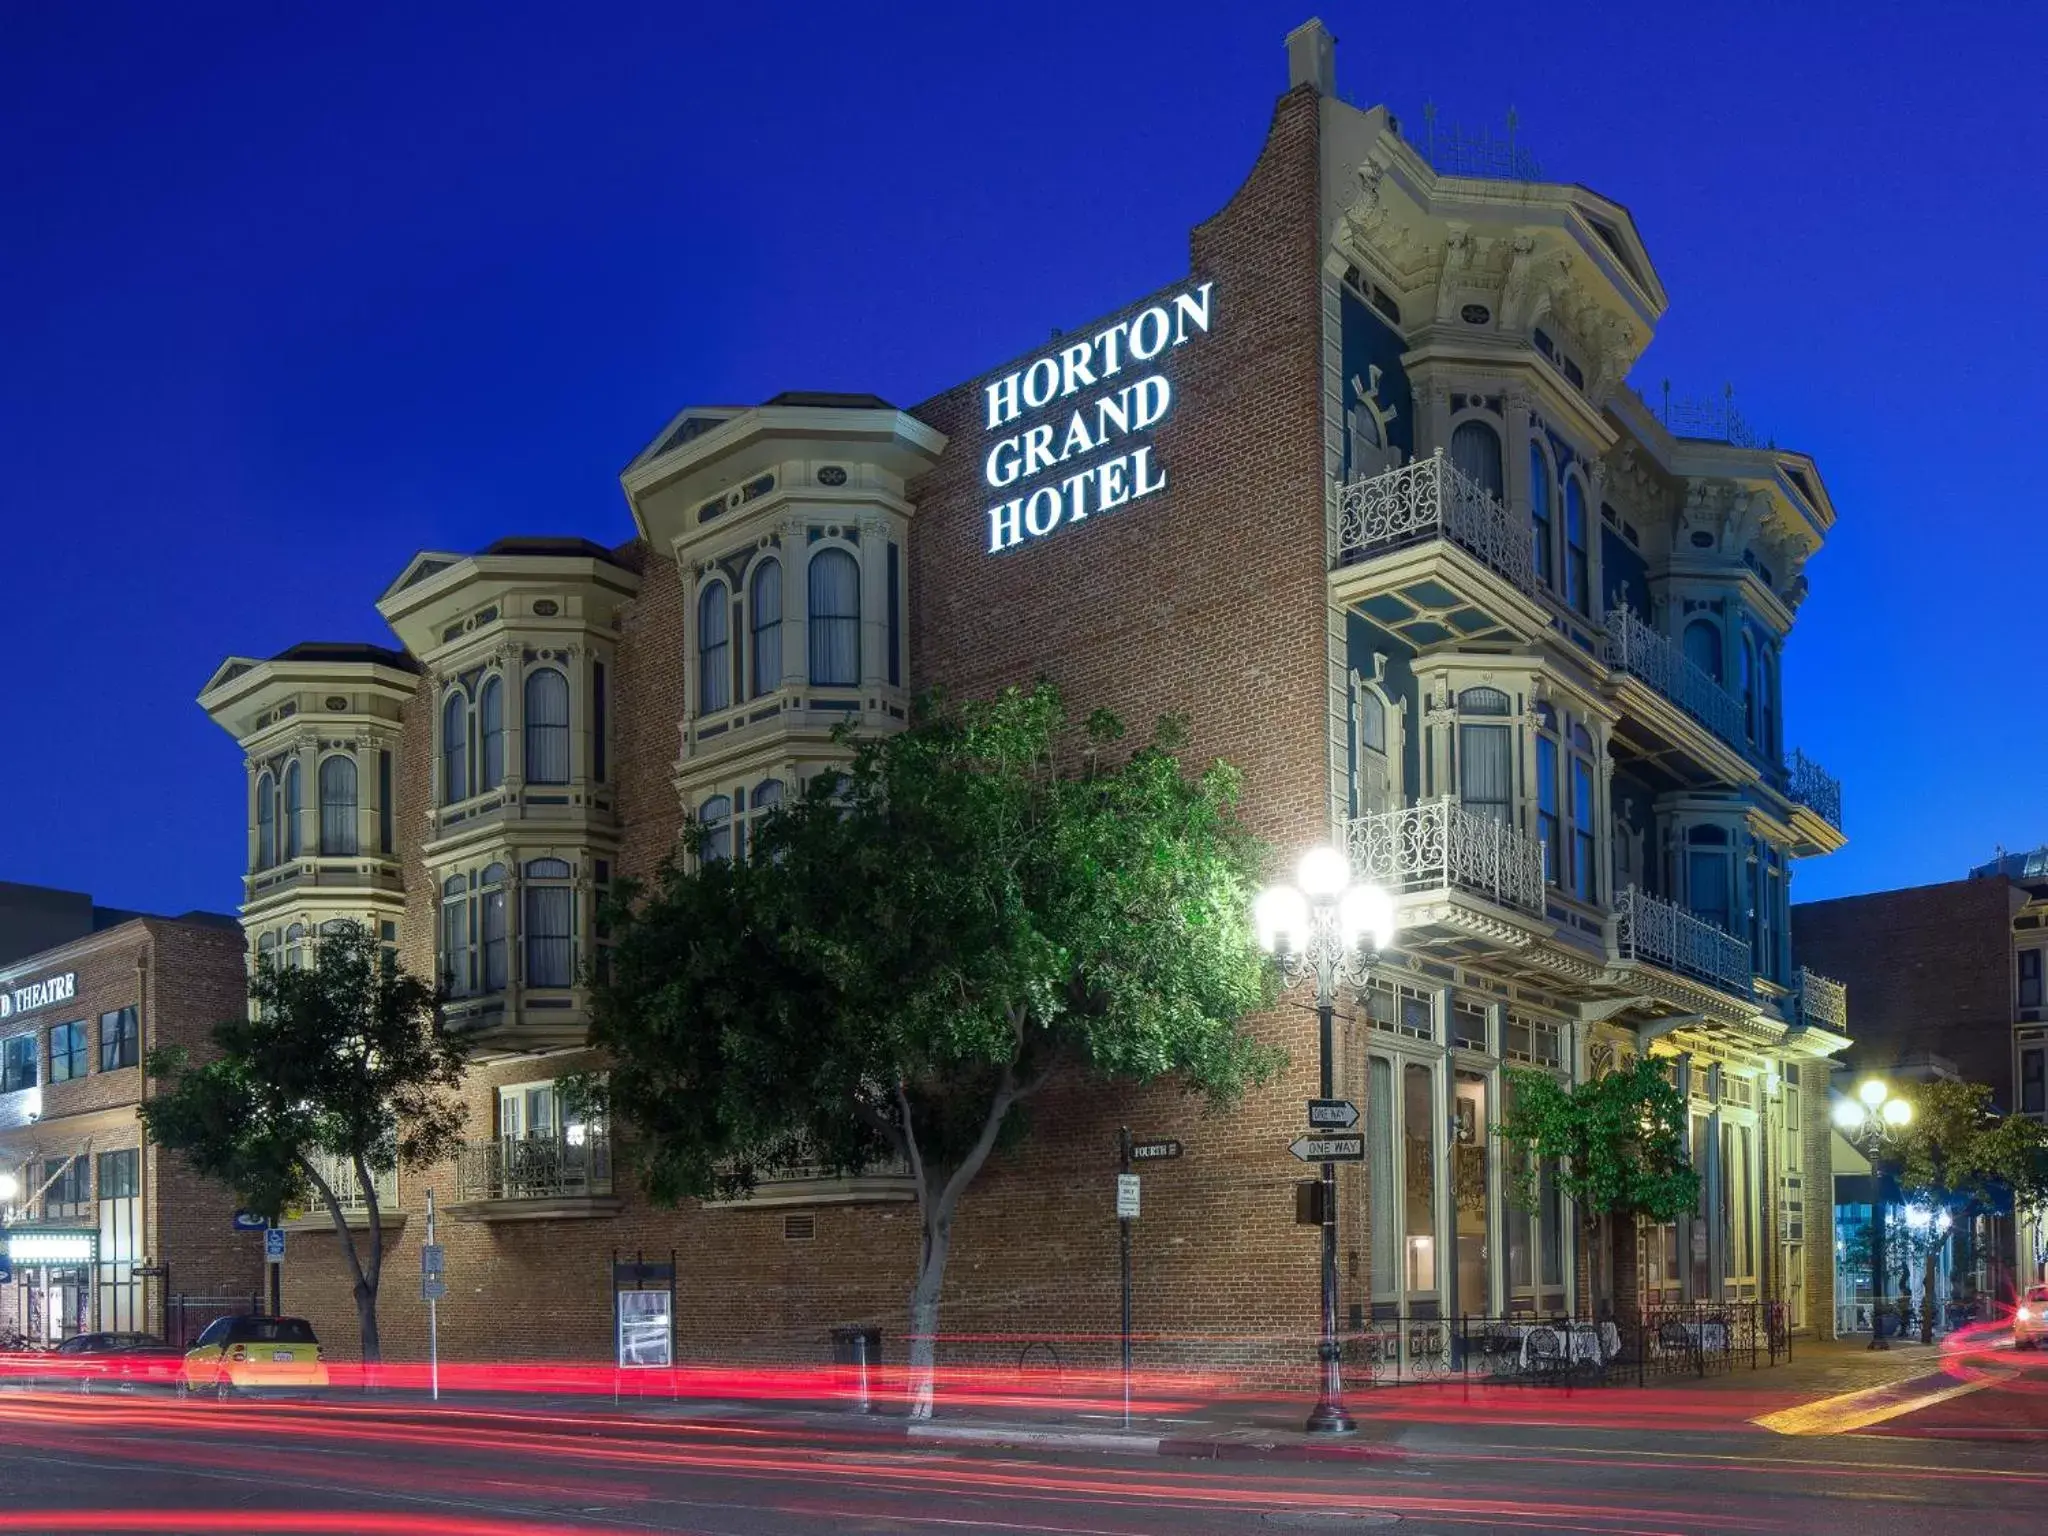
(289, 292)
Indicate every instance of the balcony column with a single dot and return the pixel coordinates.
(1438, 766)
(1596, 522)
(363, 750)
(306, 825)
(796, 604)
(511, 659)
(1515, 449)
(1603, 817)
(1435, 425)
(252, 773)
(874, 606)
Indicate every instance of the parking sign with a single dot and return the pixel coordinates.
(273, 1245)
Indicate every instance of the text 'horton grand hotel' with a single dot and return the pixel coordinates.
(1365, 494)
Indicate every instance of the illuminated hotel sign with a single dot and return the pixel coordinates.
(50, 1247)
(1058, 458)
(38, 994)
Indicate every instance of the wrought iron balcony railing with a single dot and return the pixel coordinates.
(1642, 651)
(1649, 928)
(1440, 845)
(1821, 1000)
(1432, 499)
(340, 1174)
(534, 1167)
(1813, 787)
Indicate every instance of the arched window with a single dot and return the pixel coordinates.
(549, 924)
(1703, 647)
(714, 649)
(295, 946)
(1539, 515)
(338, 806)
(266, 821)
(457, 979)
(1707, 872)
(491, 921)
(1475, 449)
(715, 816)
(766, 797)
(764, 605)
(1485, 755)
(547, 727)
(455, 748)
(490, 730)
(1583, 837)
(1752, 723)
(290, 837)
(1578, 559)
(835, 619)
(266, 950)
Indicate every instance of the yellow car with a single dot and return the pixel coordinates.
(244, 1354)
(2030, 1319)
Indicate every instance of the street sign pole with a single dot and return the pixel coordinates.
(1329, 1416)
(1123, 1148)
(276, 1272)
(433, 1313)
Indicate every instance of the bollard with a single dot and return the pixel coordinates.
(861, 1403)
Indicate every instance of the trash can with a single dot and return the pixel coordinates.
(857, 1350)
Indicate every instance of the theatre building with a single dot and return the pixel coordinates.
(1363, 493)
(102, 1228)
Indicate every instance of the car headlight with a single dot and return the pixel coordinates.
(2026, 1314)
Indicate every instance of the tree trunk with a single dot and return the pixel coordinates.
(924, 1311)
(1927, 1269)
(366, 1324)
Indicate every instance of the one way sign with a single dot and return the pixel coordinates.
(1335, 1114)
(1329, 1149)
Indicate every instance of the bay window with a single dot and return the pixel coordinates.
(548, 918)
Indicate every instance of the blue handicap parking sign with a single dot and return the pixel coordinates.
(273, 1245)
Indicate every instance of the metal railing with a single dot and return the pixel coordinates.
(340, 1174)
(1645, 652)
(1692, 1339)
(1440, 845)
(534, 1168)
(1433, 499)
(1821, 1000)
(1649, 928)
(1810, 785)
(1454, 150)
(1704, 417)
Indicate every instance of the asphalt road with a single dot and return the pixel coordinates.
(131, 1463)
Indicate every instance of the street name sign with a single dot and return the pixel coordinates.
(1334, 1114)
(1330, 1149)
(1142, 1151)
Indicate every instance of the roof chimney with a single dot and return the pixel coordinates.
(1312, 57)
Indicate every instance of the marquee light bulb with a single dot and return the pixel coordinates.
(1897, 1112)
(1871, 1092)
(1848, 1114)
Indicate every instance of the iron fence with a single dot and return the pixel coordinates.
(1693, 1339)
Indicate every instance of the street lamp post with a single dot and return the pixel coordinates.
(1332, 929)
(1873, 1122)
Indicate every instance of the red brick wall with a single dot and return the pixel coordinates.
(1928, 969)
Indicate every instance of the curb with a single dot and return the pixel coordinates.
(1126, 1443)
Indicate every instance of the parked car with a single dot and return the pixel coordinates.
(117, 1359)
(244, 1354)
(2030, 1318)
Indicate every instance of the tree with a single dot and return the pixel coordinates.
(1617, 1143)
(1958, 1157)
(341, 1062)
(909, 952)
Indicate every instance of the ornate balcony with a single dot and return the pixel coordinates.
(1808, 784)
(1439, 845)
(812, 1183)
(1634, 647)
(1653, 931)
(524, 1177)
(340, 1174)
(1432, 499)
(1819, 1000)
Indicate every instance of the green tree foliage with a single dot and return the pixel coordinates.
(1959, 1155)
(343, 1061)
(908, 953)
(1617, 1143)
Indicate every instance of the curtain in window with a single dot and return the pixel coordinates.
(547, 727)
(1379, 1125)
(1539, 513)
(714, 649)
(835, 619)
(1703, 647)
(548, 935)
(338, 807)
(490, 726)
(455, 749)
(1485, 780)
(455, 970)
(764, 603)
(1578, 578)
(715, 815)
(1475, 449)
(266, 821)
(493, 925)
(1582, 818)
(1418, 1194)
(290, 837)
(1707, 883)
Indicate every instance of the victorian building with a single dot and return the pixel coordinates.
(1366, 497)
